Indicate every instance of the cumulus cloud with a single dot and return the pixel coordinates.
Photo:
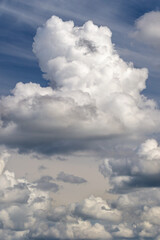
(142, 171)
(69, 178)
(140, 209)
(123, 231)
(97, 208)
(27, 211)
(21, 204)
(147, 29)
(93, 93)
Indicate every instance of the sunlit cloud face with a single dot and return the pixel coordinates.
(93, 93)
(147, 29)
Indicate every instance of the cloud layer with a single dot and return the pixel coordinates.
(27, 211)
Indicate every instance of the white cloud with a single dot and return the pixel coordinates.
(26, 212)
(97, 94)
(141, 171)
(97, 208)
(152, 215)
(122, 231)
(149, 158)
(149, 150)
(105, 168)
(21, 204)
(147, 29)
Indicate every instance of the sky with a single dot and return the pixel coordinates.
(79, 119)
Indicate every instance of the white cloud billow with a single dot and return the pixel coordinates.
(149, 158)
(142, 171)
(148, 29)
(97, 208)
(82, 60)
(93, 93)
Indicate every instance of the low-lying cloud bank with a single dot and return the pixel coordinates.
(93, 93)
(27, 211)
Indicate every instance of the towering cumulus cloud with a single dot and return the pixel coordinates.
(93, 93)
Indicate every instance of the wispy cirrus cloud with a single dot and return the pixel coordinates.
(16, 51)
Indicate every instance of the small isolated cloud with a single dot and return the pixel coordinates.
(46, 183)
(42, 168)
(148, 29)
(69, 178)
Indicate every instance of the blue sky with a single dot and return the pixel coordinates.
(19, 21)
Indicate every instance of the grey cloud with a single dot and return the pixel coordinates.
(42, 168)
(61, 158)
(69, 178)
(132, 216)
(88, 44)
(140, 171)
(46, 183)
(144, 181)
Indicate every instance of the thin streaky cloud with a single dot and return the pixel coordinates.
(15, 51)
